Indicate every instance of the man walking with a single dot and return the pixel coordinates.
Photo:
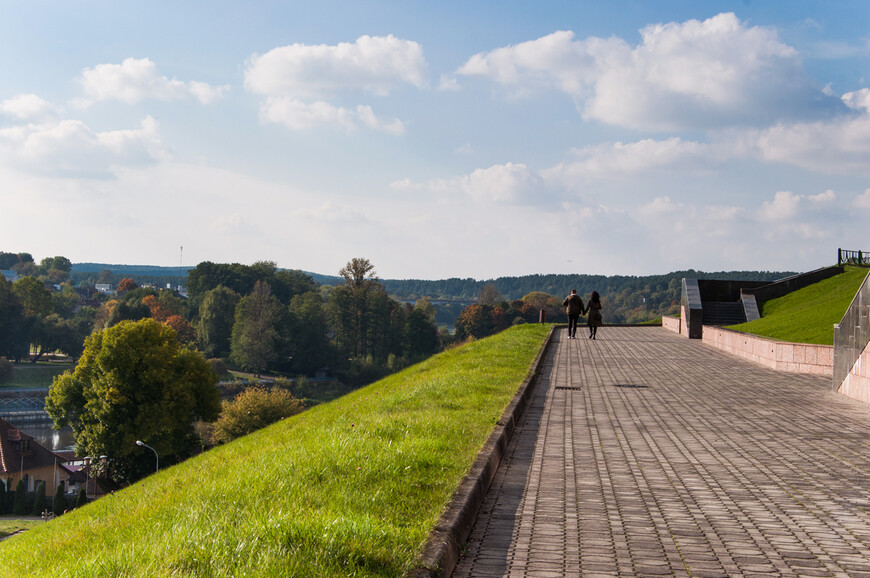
(573, 307)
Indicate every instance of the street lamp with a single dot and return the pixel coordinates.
(156, 457)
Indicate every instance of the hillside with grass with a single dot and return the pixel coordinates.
(349, 488)
(808, 315)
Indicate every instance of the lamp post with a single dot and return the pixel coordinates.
(156, 457)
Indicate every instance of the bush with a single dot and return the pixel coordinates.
(39, 502)
(219, 367)
(58, 505)
(2, 497)
(82, 498)
(19, 507)
(254, 408)
(5, 370)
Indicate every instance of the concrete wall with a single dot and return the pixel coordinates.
(857, 383)
(671, 323)
(781, 355)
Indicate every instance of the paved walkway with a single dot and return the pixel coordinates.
(646, 454)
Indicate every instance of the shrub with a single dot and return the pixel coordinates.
(254, 408)
(19, 507)
(82, 498)
(2, 497)
(39, 502)
(5, 369)
(58, 505)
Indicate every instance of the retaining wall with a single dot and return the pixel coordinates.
(781, 355)
(857, 383)
(671, 323)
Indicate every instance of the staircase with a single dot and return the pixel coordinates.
(722, 313)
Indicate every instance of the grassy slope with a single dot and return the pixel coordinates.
(348, 488)
(809, 314)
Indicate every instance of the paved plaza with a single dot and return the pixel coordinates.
(646, 454)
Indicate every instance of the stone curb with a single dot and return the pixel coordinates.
(442, 549)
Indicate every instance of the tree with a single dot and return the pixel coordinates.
(58, 504)
(215, 326)
(14, 331)
(134, 382)
(127, 284)
(257, 340)
(19, 505)
(81, 498)
(33, 296)
(489, 295)
(309, 344)
(422, 334)
(39, 501)
(358, 272)
(253, 409)
(475, 321)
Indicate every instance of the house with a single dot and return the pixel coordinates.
(105, 288)
(21, 457)
(10, 275)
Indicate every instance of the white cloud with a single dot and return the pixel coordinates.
(697, 74)
(839, 146)
(609, 160)
(862, 201)
(376, 64)
(784, 206)
(298, 115)
(137, 79)
(858, 100)
(299, 79)
(27, 107)
(70, 148)
(510, 183)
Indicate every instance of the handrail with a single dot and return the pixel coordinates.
(845, 256)
(852, 334)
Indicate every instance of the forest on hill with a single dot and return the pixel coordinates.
(627, 298)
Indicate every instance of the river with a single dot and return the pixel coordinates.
(54, 440)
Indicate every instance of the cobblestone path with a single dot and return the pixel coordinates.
(646, 454)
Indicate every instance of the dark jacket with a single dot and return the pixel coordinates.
(573, 304)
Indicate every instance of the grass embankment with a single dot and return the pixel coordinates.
(809, 314)
(34, 374)
(348, 488)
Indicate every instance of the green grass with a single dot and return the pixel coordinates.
(348, 488)
(808, 315)
(34, 375)
(11, 525)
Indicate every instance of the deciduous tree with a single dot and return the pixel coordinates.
(135, 382)
(258, 331)
(216, 316)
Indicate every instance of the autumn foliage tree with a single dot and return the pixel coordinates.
(126, 284)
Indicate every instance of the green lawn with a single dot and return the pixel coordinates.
(34, 374)
(11, 525)
(808, 315)
(348, 488)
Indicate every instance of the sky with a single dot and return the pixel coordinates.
(437, 139)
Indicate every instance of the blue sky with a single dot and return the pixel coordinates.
(451, 139)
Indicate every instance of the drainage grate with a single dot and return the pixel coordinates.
(572, 387)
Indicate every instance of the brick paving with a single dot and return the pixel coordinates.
(646, 454)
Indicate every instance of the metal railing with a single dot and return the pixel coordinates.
(846, 257)
(852, 334)
(22, 406)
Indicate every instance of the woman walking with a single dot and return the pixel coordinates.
(593, 314)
